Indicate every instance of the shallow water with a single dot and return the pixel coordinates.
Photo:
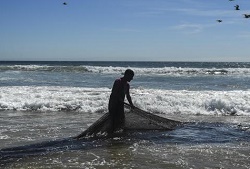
(43, 140)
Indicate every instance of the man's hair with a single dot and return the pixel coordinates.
(129, 72)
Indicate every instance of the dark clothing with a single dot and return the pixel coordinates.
(116, 103)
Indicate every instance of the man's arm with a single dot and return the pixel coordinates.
(129, 97)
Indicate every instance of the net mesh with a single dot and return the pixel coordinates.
(135, 120)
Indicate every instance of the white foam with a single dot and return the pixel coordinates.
(92, 100)
(195, 102)
(53, 98)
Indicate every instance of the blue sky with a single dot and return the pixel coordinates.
(124, 30)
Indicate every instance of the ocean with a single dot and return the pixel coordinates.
(44, 104)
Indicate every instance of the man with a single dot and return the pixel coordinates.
(116, 101)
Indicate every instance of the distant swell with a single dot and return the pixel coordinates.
(174, 71)
(43, 68)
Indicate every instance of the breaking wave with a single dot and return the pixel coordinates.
(95, 100)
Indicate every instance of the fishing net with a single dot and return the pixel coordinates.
(135, 120)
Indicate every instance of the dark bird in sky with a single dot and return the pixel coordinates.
(231, 0)
(219, 20)
(237, 7)
(246, 15)
(64, 3)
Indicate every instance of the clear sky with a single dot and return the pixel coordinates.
(124, 30)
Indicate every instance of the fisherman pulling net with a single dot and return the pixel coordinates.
(117, 119)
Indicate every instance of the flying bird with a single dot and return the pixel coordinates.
(64, 3)
(246, 15)
(219, 20)
(237, 7)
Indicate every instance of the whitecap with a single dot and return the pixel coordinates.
(93, 100)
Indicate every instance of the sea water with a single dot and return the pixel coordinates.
(44, 104)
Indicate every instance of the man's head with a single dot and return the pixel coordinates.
(129, 74)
